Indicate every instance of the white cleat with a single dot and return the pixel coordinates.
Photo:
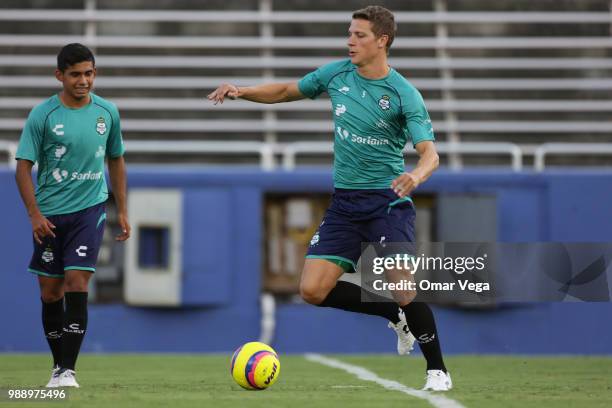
(67, 378)
(405, 339)
(438, 380)
(54, 381)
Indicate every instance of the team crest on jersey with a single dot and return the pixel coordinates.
(101, 126)
(384, 102)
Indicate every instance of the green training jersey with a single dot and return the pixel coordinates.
(373, 121)
(69, 146)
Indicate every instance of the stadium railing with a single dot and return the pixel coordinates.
(573, 149)
(288, 152)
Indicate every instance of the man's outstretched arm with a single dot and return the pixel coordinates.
(267, 93)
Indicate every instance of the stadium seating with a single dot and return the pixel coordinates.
(504, 88)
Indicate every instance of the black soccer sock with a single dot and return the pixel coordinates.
(53, 323)
(422, 324)
(347, 296)
(75, 325)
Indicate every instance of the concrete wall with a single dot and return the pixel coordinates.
(564, 206)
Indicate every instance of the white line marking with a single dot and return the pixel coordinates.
(436, 400)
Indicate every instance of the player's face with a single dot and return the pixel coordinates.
(77, 79)
(363, 44)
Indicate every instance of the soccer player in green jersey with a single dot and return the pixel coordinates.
(69, 135)
(376, 112)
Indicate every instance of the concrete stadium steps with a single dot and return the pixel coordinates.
(515, 72)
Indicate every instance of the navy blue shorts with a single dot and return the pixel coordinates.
(78, 237)
(362, 216)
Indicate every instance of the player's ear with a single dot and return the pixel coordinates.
(383, 40)
(59, 75)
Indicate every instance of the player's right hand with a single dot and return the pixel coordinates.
(219, 94)
(41, 227)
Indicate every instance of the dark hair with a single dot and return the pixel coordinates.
(382, 20)
(73, 54)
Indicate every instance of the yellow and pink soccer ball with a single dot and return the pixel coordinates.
(255, 366)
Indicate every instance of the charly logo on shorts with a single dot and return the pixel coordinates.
(47, 255)
(82, 251)
(384, 102)
(101, 125)
(315, 239)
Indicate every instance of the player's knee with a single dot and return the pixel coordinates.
(404, 298)
(76, 287)
(51, 290)
(51, 295)
(76, 284)
(312, 294)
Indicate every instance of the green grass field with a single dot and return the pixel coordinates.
(176, 381)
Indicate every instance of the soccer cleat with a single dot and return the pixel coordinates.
(67, 378)
(438, 380)
(54, 381)
(405, 339)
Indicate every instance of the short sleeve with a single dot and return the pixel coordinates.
(114, 144)
(31, 140)
(311, 85)
(315, 83)
(418, 123)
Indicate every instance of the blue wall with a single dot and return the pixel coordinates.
(554, 206)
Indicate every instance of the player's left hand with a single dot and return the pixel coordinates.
(224, 90)
(404, 184)
(125, 227)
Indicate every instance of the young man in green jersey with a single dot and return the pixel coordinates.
(376, 112)
(69, 135)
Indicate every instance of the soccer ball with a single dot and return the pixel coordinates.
(255, 366)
